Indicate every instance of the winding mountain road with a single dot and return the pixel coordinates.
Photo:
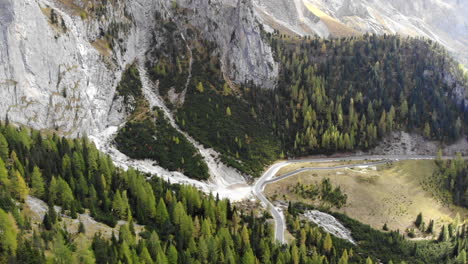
(268, 177)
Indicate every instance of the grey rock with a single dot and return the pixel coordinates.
(56, 79)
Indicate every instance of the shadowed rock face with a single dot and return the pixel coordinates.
(6, 17)
(233, 26)
(6, 14)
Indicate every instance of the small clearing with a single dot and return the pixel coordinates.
(300, 165)
(36, 209)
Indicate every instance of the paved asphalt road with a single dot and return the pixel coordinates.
(268, 177)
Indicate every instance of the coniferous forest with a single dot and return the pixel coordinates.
(181, 224)
(333, 95)
(453, 177)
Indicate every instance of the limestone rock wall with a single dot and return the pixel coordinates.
(61, 73)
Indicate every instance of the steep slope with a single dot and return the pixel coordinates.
(61, 60)
(51, 74)
(443, 21)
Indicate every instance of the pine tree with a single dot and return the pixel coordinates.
(461, 259)
(83, 253)
(385, 227)
(160, 256)
(153, 244)
(46, 222)
(9, 231)
(226, 89)
(430, 227)
(344, 258)
(327, 243)
(64, 194)
(427, 130)
(61, 252)
(124, 253)
(404, 110)
(200, 87)
(81, 228)
(295, 254)
(444, 234)
(161, 213)
(126, 235)
(172, 255)
(248, 257)
(4, 151)
(383, 124)
(245, 237)
(4, 181)
(19, 188)
(37, 183)
(145, 257)
(419, 220)
(120, 205)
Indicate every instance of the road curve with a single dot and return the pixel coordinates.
(268, 177)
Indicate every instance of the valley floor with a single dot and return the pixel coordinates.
(393, 193)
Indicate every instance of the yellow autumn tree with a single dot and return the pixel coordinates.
(19, 188)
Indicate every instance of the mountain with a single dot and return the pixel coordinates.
(65, 65)
(141, 131)
(62, 60)
(442, 21)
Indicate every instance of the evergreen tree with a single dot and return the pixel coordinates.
(4, 181)
(4, 150)
(9, 231)
(61, 252)
(81, 228)
(427, 130)
(200, 87)
(461, 259)
(430, 227)
(444, 234)
(385, 227)
(248, 257)
(419, 220)
(172, 255)
(327, 243)
(83, 253)
(37, 183)
(19, 188)
(160, 256)
(161, 213)
(145, 257)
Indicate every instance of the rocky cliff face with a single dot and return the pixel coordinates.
(57, 69)
(61, 60)
(233, 26)
(444, 21)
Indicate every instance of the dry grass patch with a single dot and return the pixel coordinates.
(336, 28)
(102, 46)
(389, 193)
(35, 209)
